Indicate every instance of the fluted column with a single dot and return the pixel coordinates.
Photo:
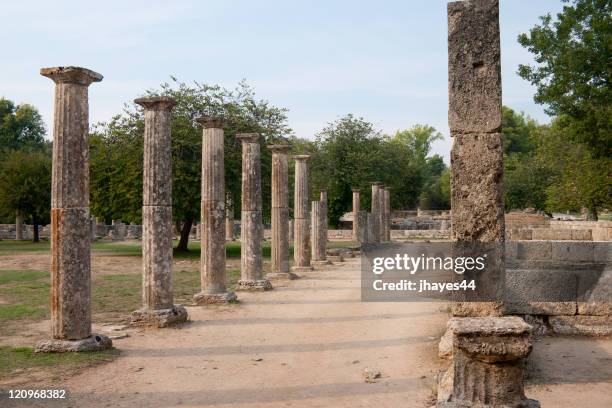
(251, 236)
(280, 214)
(70, 228)
(381, 213)
(356, 208)
(301, 215)
(375, 211)
(387, 213)
(323, 232)
(157, 309)
(212, 215)
(317, 245)
(19, 227)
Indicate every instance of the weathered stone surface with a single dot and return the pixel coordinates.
(356, 219)
(477, 188)
(387, 214)
(291, 230)
(581, 325)
(159, 317)
(316, 233)
(253, 285)
(157, 166)
(474, 69)
(376, 213)
(336, 258)
(445, 347)
(281, 276)
(229, 225)
(595, 293)
(541, 292)
(487, 362)
(157, 257)
(95, 342)
(280, 211)
(323, 221)
(301, 213)
(214, 298)
(213, 215)
(70, 274)
(18, 227)
(251, 235)
(573, 251)
(362, 227)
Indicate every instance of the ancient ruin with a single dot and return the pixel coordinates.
(251, 228)
(158, 308)
(487, 367)
(356, 208)
(212, 218)
(280, 214)
(317, 235)
(70, 228)
(376, 211)
(301, 216)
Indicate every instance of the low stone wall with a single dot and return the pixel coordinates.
(538, 227)
(404, 235)
(567, 282)
(7, 231)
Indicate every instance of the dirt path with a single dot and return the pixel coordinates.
(304, 345)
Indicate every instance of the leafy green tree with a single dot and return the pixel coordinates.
(25, 185)
(21, 127)
(117, 151)
(572, 71)
(436, 190)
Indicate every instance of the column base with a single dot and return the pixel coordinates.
(487, 368)
(254, 285)
(335, 258)
(95, 342)
(159, 317)
(214, 298)
(317, 264)
(281, 276)
(299, 269)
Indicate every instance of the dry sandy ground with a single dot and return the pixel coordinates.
(306, 345)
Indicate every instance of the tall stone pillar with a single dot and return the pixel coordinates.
(280, 213)
(381, 213)
(474, 117)
(290, 231)
(301, 215)
(362, 227)
(251, 235)
(323, 200)
(229, 225)
(387, 213)
(19, 227)
(318, 255)
(158, 308)
(70, 228)
(376, 213)
(487, 368)
(356, 207)
(212, 215)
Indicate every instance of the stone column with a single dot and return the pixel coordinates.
(290, 231)
(474, 117)
(70, 234)
(362, 224)
(356, 206)
(376, 213)
(381, 213)
(158, 307)
(323, 200)
(251, 235)
(18, 227)
(488, 350)
(301, 215)
(229, 225)
(370, 229)
(280, 214)
(212, 215)
(387, 213)
(318, 255)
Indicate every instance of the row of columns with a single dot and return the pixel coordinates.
(373, 227)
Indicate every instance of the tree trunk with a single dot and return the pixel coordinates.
(592, 214)
(35, 230)
(184, 240)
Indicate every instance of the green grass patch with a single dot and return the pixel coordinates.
(13, 358)
(26, 293)
(13, 247)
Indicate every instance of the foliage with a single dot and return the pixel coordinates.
(21, 127)
(572, 71)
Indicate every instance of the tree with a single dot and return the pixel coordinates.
(25, 185)
(436, 190)
(21, 127)
(572, 71)
(117, 151)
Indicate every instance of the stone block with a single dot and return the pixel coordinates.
(254, 285)
(581, 325)
(474, 69)
(159, 317)
(573, 251)
(541, 292)
(582, 235)
(95, 342)
(602, 252)
(595, 292)
(534, 250)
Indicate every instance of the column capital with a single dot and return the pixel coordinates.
(323, 190)
(248, 137)
(157, 103)
(71, 75)
(278, 148)
(211, 122)
(355, 190)
(376, 183)
(301, 157)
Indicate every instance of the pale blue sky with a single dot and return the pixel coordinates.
(383, 60)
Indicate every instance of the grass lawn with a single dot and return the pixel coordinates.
(24, 358)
